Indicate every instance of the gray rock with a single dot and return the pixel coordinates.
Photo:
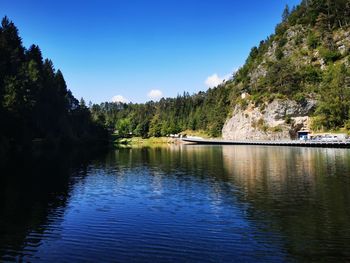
(254, 124)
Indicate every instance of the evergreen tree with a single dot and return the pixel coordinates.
(286, 14)
(34, 100)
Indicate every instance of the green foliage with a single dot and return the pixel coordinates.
(335, 13)
(279, 53)
(282, 77)
(300, 98)
(281, 29)
(123, 127)
(286, 14)
(290, 77)
(34, 100)
(260, 125)
(36, 103)
(202, 111)
(313, 41)
(286, 78)
(288, 119)
(207, 111)
(282, 42)
(311, 74)
(298, 40)
(334, 100)
(329, 55)
(276, 129)
(318, 122)
(243, 103)
(347, 125)
(157, 127)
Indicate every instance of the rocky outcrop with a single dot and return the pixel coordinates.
(278, 120)
(342, 41)
(297, 50)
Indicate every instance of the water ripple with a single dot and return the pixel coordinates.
(202, 204)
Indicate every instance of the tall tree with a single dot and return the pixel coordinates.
(286, 14)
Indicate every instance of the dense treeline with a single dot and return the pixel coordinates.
(300, 61)
(330, 13)
(202, 111)
(35, 104)
(291, 72)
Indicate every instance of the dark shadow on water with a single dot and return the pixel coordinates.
(291, 203)
(32, 187)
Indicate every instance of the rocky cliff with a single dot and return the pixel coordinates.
(298, 77)
(278, 120)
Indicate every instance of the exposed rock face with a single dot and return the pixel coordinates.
(342, 40)
(279, 120)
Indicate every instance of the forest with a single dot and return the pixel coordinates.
(205, 111)
(36, 107)
(293, 71)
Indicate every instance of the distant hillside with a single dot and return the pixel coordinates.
(301, 73)
(307, 57)
(305, 62)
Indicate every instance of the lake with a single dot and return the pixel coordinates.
(186, 203)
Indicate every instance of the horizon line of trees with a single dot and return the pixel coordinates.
(201, 111)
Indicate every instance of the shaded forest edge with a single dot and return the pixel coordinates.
(307, 58)
(36, 108)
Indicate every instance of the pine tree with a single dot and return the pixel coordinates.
(286, 14)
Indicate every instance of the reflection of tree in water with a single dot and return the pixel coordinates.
(305, 192)
(33, 193)
(190, 166)
(301, 193)
(190, 159)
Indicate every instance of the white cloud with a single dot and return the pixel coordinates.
(119, 98)
(155, 94)
(215, 80)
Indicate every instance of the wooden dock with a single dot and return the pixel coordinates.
(307, 143)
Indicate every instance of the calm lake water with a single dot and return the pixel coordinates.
(179, 204)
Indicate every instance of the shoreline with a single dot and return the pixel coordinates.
(146, 142)
(320, 144)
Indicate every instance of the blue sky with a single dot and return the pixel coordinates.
(127, 48)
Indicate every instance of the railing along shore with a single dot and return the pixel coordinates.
(301, 143)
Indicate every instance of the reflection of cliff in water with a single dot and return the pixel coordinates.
(33, 194)
(301, 193)
(297, 197)
(305, 192)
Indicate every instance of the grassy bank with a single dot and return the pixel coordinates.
(144, 142)
(155, 141)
